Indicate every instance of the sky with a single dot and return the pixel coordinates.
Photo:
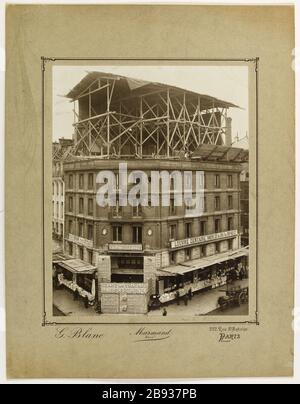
(229, 83)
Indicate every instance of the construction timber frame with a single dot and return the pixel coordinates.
(160, 122)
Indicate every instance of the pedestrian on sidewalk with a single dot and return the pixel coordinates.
(165, 312)
(186, 299)
(190, 293)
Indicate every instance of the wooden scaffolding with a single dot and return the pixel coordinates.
(115, 116)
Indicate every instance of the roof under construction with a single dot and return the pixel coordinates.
(127, 87)
(122, 117)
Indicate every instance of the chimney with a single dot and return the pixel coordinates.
(228, 130)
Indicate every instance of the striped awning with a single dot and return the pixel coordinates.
(202, 263)
(77, 266)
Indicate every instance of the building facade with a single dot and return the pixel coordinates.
(144, 251)
(245, 205)
(60, 152)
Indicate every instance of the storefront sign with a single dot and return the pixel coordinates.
(82, 241)
(125, 247)
(124, 288)
(203, 239)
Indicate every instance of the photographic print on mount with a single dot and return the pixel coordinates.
(150, 192)
(148, 158)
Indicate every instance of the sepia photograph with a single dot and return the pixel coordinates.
(149, 155)
(150, 190)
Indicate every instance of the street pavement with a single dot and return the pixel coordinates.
(202, 303)
(65, 305)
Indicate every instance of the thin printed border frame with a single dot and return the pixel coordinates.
(44, 61)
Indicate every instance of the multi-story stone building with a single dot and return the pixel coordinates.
(60, 152)
(145, 250)
(244, 181)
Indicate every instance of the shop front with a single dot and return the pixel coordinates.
(79, 277)
(202, 274)
(127, 268)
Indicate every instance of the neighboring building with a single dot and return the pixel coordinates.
(60, 151)
(244, 181)
(142, 251)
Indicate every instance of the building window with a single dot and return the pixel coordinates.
(217, 181)
(61, 229)
(172, 185)
(230, 223)
(62, 210)
(190, 203)
(80, 229)
(81, 205)
(81, 253)
(202, 227)
(57, 210)
(90, 232)
(71, 181)
(218, 247)
(203, 251)
(229, 181)
(217, 203)
(117, 210)
(188, 230)
(230, 202)
(117, 180)
(137, 237)
(71, 226)
(137, 211)
(71, 249)
(172, 232)
(203, 180)
(217, 225)
(188, 254)
(172, 207)
(117, 233)
(71, 204)
(90, 257)
(173, 258)
(204, 204)
(81, 181)
(130, 263)
(230, 244)
(91, 181)
(90, 207)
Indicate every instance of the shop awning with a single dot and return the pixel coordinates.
(76, 266)
(163, 273)
(59, 257)
(206, 262)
